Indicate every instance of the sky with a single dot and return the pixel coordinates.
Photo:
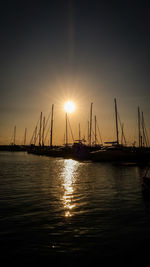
(80, 50)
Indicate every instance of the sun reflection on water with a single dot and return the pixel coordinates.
(69, 178)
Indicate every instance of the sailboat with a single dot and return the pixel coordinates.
(113, 152)
(117, 152)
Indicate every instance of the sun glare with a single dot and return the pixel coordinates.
(69, 106)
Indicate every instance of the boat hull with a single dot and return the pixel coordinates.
(119, 156)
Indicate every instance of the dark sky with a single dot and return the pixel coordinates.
(101, 48)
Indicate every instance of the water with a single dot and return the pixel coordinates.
(71, 212)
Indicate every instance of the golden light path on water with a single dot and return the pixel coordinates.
(69, 179)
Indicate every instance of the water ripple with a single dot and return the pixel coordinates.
(53, 206)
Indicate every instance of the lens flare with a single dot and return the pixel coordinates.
(69, 106)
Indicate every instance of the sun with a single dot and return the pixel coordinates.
(69, 106)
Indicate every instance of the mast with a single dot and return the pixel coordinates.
(66, 130)
(91, 124)
(40, 129)
(64, 138)
(116, 116)
(139, 126)
(43, 131)
(14, 135)
(51, 135)
(79, 133)
(122, 134)
(25, 135)
(35, 137)
(88, 139)
(95, 131)
(70, 130)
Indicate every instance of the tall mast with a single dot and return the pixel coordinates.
(79, 133)
(95, 131)
(88, 139)
(51, 135)
(35, 135)
(25, 135)
(91, 124)
(139, 126)
(116, 116)
(14, 135)
(64, 138)
(66, 129)
(43, 131)
(40, 129)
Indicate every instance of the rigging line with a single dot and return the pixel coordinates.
(99, 134)
(145, 135)
(34, 132)
(47, 120)
(71, 130)
(144, 142)
(96, 137)
(120, 121)
(121, 129)
(36, 135)
(48, 129)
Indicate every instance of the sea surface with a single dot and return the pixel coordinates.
(63, 211)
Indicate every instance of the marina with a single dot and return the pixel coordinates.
(90, 149)
(75, 133)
